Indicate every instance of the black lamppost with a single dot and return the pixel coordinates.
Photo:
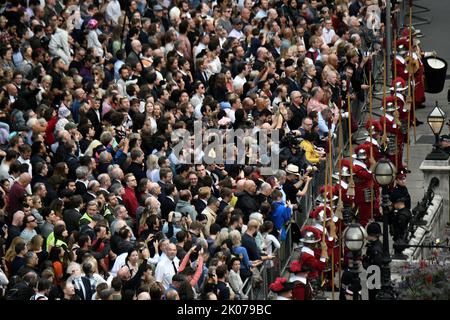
(384, 174)
(436, 120)
(354, 239)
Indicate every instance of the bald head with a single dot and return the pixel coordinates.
(240, 185)
(25, 179)
(171, 251)
(143, 296)
(18, 218)
(124, 273)
(266, 189)
(250, 186)
(136, 45)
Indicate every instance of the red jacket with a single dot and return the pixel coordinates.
(363, 181)
(317, 264)
(401, 68)
(130, 201)
(300, 290)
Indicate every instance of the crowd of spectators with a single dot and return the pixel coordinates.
(95, 205)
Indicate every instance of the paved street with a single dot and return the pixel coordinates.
(436, 35)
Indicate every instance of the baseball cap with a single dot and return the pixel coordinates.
(157, 7)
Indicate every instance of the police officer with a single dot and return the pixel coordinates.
(374, 252)
(400, 219)
(400, 189)
(350, 286)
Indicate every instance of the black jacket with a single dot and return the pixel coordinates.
(374, 254)
(72, 219)
(137, 170)
(167, 205)
(87, 294)
(247, 203)
(298, 114)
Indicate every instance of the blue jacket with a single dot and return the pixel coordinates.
(280, 215)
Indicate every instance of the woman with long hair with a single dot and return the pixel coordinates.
(59, 263)
(60, 235)
(152, 166)
(36, 245)
(5, 186)
(11, 251)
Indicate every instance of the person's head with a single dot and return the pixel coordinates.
(252, 227)
(21, 249)
(166, 175)
(221, 272)
(120, 212)
(250, 186)
(92, 208)
(171, 251)
(24, 179)
(44, 286)
(213, 203)
(130, 180)
(204, 193)
(31, 259)
(18, 218)
(235, 237)
(30, 222)
(133, 256)
(68, 290)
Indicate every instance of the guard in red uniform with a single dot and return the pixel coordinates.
(316, 263)
(395, 136)
(364, 187)
(343, 184)
(400, 61)
(299, 276)
(419, 77)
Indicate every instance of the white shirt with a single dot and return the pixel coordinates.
(164, 271)
(238, 82)
(113, 11)
(22, 161)
(197, 102)
(215, 66)
(328, 35)
(236, 34)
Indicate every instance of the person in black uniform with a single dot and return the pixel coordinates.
(400, 218)
(350, 286)
(374, 252)
(400, 189)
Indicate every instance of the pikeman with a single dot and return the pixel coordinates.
(315, 262)
(319, 214)
(371, 147)
(342, 185)
(299, 276)
(398, 89)
(395, 137)
(364, 186)
(400, 59)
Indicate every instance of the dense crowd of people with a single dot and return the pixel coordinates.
(94, 202)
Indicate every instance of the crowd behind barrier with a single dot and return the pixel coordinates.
(96, 98)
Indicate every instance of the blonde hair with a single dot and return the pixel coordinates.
(221, 237)
(35, 243)
(235, 237)
(90, 150)
(152, 162)
(11, 252)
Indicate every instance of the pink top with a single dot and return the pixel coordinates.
(198, 272)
